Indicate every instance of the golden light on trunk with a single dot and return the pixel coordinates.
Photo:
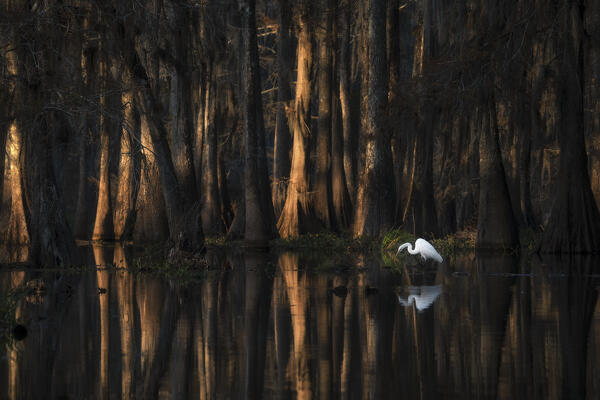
(296, 209)
(17, 232)
(124, 204)
(103, 229)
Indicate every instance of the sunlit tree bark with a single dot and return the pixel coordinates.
(297, 215)
(103, 223)
(16, 232)
(103, 227)
(129, 171)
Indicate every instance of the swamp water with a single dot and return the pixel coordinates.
(288, 325)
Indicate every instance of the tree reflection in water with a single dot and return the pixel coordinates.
(271, 326)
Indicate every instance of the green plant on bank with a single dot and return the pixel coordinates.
(219, 241)
(455, 243)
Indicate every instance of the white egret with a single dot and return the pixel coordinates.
(422, 296)
(424, 248)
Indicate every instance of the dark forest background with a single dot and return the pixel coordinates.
(172, 120)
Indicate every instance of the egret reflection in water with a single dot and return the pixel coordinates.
(421, 296)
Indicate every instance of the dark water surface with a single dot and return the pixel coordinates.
(292, 326)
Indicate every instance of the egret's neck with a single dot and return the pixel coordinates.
(407, 246)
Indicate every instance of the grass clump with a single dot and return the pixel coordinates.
(456, 242)
(181, 267)
(217, 241)
(181, 273)
(394, 238)
(324, 241)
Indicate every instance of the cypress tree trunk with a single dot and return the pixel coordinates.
(496, 224)
(259, 211)
(16, 230)
(322, 187)
(129, 171)
(467, 167)
(375, 199)
(52, 241)
(297, 216)
(446, 186)
(342, 209)
(183, 214)
(109, 104)
(230, 120)
(211, 202)
(83, 218)
(103, 225)
(524, 154)
(574, 224)
(4, 126)
(281, 151)
(151, 218)
(345, 95)
(82, 225)
(200, 128)
(421, 213)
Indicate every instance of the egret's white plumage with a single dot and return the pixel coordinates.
(424, 248)
(421, 296)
